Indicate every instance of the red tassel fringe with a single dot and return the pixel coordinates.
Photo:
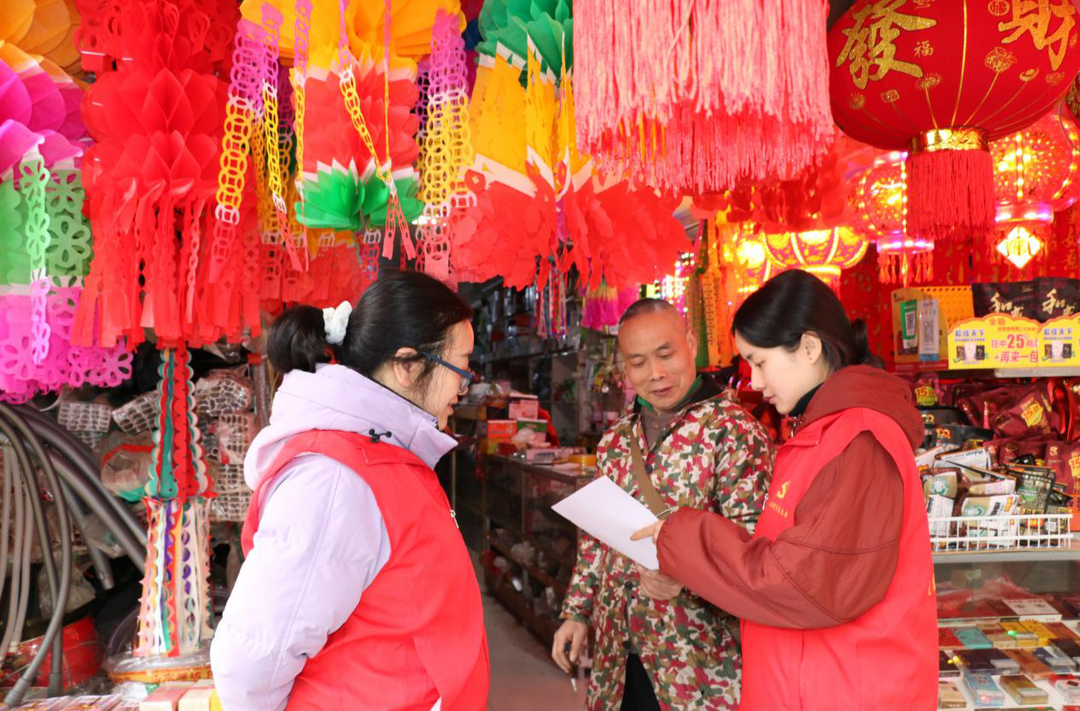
(950, 194)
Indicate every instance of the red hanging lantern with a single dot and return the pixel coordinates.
(1035, 175)
(823, 253)
(942, 80)
(882, 204)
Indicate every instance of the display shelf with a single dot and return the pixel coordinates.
(1070, 552)
(504, 523)
(537, 483)
(521, 608)
(545, 579)
(1056, 701)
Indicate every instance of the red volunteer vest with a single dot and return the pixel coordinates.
(418, 633)
(886, 660)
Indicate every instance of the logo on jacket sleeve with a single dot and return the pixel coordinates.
(783, 490)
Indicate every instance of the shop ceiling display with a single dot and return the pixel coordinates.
(942, 80)
(694, 96)
(1036, 173)
(44, 238)
(529, 179)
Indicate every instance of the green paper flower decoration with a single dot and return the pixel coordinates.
(511, 23)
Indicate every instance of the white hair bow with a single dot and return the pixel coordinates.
(336, 322)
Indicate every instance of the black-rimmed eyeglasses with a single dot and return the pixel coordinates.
(467, 376)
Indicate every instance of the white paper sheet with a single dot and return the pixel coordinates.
(603, 510)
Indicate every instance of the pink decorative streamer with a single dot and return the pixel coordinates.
(22, 379)
(697, 94)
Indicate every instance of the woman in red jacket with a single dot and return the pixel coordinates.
(835, 587)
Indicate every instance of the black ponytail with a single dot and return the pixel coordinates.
(863, 355)
(400, 310)
(298, 340)
(794, 303)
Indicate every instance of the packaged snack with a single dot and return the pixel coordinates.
(982, 406)
(1018, 298)
(967, 459)
(1026, 415)
(1034, 485)
(1064, 459)
(1056, 296)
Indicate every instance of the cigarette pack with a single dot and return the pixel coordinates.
(947, 638)
(983, 689)
(1030, 664)
(1039, 630)
(1023, 637)
(972, 638)
(1068, 686)
(1057, 660)
(1023, 690)
(949, 696)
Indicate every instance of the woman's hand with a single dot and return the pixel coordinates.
(653, 531)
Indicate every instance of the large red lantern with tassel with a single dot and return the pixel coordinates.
(942, 80)
(1036, 173)
(823, 253)
(882, 207)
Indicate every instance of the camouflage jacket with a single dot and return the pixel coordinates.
(716, 457)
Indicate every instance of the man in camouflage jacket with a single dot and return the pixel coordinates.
(703, 450)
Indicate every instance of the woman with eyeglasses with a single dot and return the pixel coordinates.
(357, 591)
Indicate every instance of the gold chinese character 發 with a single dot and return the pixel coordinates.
(1035, 17)
(870, 48)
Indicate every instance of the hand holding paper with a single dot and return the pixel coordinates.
(606, 512)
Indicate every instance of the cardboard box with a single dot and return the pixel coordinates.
(540, 426)
(501, 429)
(524, 409)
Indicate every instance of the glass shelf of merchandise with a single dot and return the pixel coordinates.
(529, 550)
(1002, 588)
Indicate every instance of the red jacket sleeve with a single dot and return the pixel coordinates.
(835, 563)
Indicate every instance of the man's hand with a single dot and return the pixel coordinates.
(657, 585)
(574, 634)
